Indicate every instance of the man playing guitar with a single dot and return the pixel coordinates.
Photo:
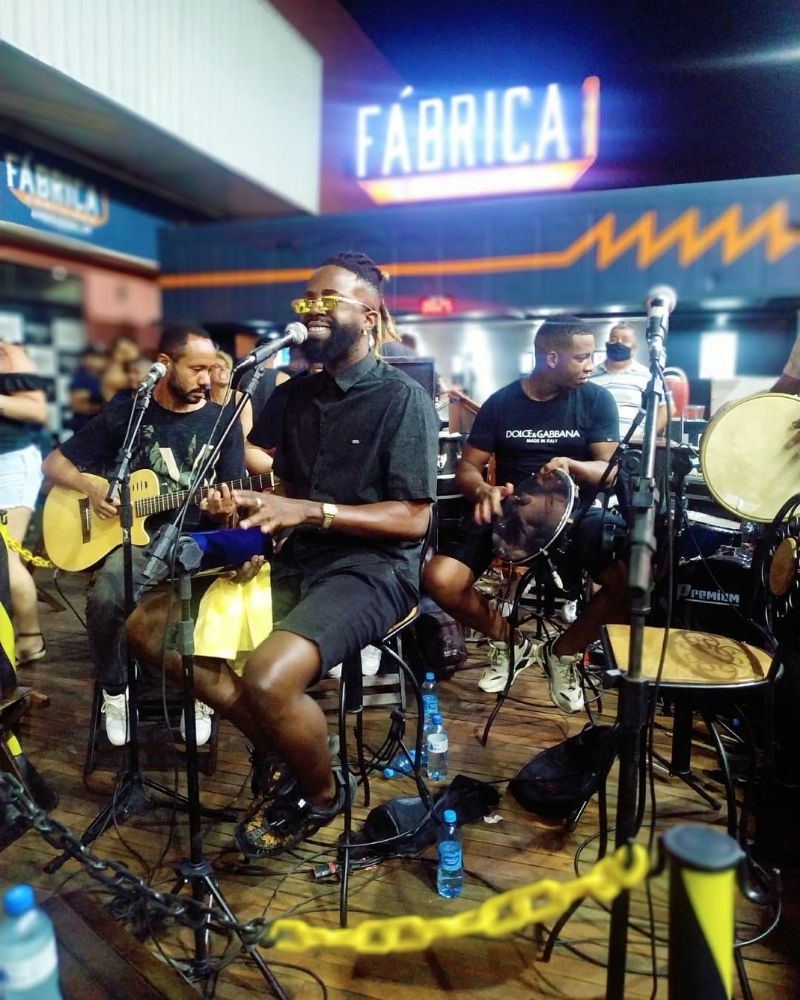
(175, 435)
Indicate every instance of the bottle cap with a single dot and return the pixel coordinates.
(450, 816)
(388, 772)
(19, 900)
(430, 676)
(436, 720)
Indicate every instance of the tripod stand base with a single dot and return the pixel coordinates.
(130, 798)
(200, 876)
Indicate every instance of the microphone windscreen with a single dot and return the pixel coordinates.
(298, 332)
(665, 293)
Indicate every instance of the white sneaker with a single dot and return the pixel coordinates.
(562, 674)
(370, 663)
(569, 612)
(202, 723)
(494, 677)
(370, 660)
(115, 710)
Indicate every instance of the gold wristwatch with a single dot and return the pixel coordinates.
(329, 512)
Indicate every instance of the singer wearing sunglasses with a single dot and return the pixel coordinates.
(356, 451)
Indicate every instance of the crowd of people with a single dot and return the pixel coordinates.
(354, 445)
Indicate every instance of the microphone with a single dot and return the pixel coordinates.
(157, 371)
(659, 303)
(296, 333)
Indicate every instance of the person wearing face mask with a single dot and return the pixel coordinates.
(626, 379)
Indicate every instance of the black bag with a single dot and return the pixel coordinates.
(471, 799)
(557, 782)
(440, 640)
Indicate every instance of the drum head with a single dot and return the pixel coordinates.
(750, 455)
(533, 516)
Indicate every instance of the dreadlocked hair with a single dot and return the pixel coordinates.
(364, 268)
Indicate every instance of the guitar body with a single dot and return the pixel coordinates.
(76, 538)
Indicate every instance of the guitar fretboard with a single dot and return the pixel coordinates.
(169, 501)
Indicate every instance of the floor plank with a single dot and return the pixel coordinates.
(517, 850)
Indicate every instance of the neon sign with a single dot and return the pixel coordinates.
(496, 142)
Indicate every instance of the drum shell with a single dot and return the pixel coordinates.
(702, 538)
(714, 595)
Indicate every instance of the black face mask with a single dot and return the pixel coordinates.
(618, 352)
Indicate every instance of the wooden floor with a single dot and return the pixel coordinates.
(516, 850)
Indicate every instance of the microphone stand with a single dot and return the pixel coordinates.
(634, 689)
(196, 871)
(129, 796)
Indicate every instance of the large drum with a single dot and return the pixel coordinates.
(534, 516)
(750, 455)
(706, 534)
(714, 594)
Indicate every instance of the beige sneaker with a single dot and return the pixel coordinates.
(494, 677)
(565, 686)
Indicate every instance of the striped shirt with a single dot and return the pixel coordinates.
(626, 387)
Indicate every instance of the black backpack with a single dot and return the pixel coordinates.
(560, 779)
(440, 640)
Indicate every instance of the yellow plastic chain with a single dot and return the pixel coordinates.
(27, 556)
(501, 915)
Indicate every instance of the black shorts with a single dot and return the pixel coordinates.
(591, 544)
(343, 611)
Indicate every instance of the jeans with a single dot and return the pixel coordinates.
(105, 615)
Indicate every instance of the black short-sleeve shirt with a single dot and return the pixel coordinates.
(172, 444)
(367, 435)
(524, 434)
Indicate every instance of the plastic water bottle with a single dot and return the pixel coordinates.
(28, 955)
(400, 764)
(436, 742)
(430, 695)
(450, 873)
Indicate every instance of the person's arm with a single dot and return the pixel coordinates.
(661, 418)
(28, 406)
(81, 402)
(258, 461)
(786, 383)
(401, 520)
(588, 472)
(60, 470)
(469, 479)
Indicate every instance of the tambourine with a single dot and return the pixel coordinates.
(533, 516)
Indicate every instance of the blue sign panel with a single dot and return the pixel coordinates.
(52, 195)
(585, 251)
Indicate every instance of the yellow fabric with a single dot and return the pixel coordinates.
(234, 618)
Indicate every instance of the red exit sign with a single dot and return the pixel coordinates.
(437, 305)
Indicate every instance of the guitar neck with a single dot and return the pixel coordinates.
(171, 501)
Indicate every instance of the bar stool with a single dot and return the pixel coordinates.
(352, 700)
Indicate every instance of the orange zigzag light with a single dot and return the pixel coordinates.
(692, 240)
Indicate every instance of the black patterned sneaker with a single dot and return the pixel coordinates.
(278, 825)
(270, 776)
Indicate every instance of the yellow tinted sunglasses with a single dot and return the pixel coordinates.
(325, 304)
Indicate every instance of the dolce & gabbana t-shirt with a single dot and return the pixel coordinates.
(524, 434)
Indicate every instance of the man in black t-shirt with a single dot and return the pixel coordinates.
(553, 419)
(179, 428)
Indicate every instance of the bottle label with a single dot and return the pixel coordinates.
(437, 743)
(450, 855)
(23, 973)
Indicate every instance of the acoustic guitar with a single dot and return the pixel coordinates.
(76, 538)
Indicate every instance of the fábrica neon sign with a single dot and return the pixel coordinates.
(495, 142)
